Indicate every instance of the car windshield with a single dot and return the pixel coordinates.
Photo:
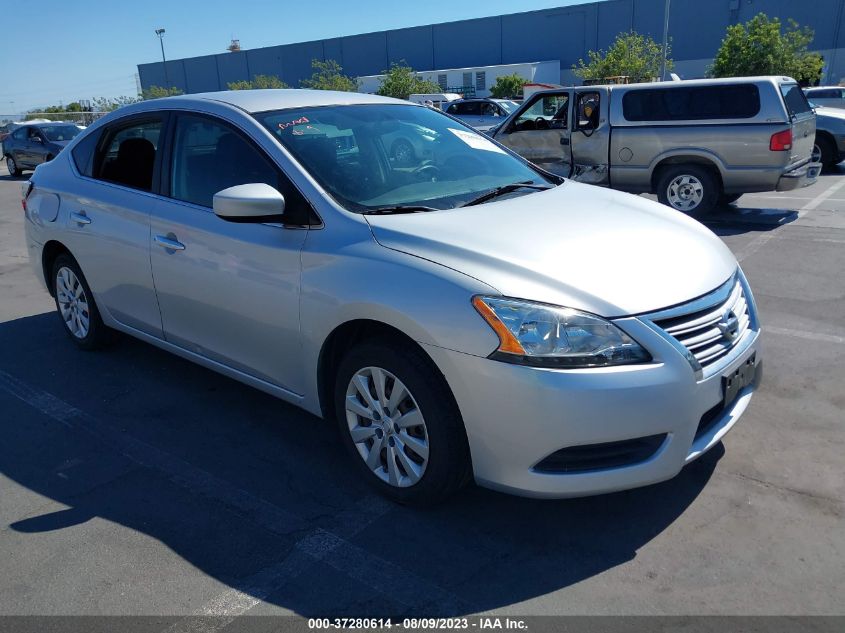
(59, 132)
(510, 106)
(383, 156)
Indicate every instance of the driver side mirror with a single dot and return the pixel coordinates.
(254, 202)
(36, 139)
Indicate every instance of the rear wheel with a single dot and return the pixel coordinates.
(76, 305)
(12, 166)
(400, 423)
(690, 189)
(824, 152)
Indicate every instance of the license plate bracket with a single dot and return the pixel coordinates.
(738, 380)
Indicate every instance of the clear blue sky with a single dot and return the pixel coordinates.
(60, 52)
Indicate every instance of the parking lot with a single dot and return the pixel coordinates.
(134, 482)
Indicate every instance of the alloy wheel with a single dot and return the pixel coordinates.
(73, 304)
(816, 156)
(685, 193)
(387, 427)
(11, 165)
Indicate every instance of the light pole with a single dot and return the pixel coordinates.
(665, 40)
(160, 33)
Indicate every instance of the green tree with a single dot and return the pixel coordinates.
(762, 46)
(635, 56)
(258, 82)
(328, 75)
(401, 81)
(109, 104)
(507, 86)
(157, 92)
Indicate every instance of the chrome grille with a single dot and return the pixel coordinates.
(712, 331)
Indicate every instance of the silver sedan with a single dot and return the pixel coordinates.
(459, 313)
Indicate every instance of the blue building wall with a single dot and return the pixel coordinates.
(565, 34)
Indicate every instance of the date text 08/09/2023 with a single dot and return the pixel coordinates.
(435, 624)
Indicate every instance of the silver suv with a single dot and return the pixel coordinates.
(693, 143)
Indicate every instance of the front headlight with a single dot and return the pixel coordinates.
(548, 336)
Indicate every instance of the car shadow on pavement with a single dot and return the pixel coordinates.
(479, 551)
(736, 219)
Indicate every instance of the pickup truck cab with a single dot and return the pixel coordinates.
(693, 143)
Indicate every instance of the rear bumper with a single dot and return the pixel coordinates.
(799, 177)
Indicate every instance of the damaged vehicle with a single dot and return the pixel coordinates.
(695, 144)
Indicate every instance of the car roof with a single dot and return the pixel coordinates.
(278, 99)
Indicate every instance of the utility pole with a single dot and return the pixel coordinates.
(665, 40)
(160, 33)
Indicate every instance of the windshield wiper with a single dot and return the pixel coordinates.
(498, 191)
(399, 208)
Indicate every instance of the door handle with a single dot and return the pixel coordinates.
(80, 218)
(564, 140)
(169, 243)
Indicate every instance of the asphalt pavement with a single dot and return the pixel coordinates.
(134, 482)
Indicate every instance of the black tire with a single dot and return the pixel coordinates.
(826, 151)
(729, 198)
(448, 464)
(98, 334)
(707, 190)
(12, 166)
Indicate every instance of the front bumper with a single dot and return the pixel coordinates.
(516, 416)
(799, 177)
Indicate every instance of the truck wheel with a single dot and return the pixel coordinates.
(689, 189)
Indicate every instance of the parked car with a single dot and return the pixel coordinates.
(829, 149)
(453, 318)
(437, 100)
(35, 143)
(693, 143)
(482, 114)
(829, 97)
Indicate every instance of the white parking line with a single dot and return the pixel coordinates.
(317, 544)
(758, 242)
(811, 336)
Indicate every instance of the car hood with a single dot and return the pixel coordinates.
(577, 245)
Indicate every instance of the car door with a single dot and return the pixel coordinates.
(36, 150)
(539, 131)
(16, 145)
(108, 217)
(227, 291)
(590, 141)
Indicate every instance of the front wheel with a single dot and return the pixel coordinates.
(76, 306)
(688, 188)
(400, 423)
(12, 166)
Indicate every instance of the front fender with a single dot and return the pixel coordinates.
(426, 301)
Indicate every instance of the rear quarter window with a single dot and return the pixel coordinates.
(695, 103)
(83, 154)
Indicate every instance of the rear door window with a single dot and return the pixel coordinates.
(83, 153)
(793, 97)
(128, 155)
